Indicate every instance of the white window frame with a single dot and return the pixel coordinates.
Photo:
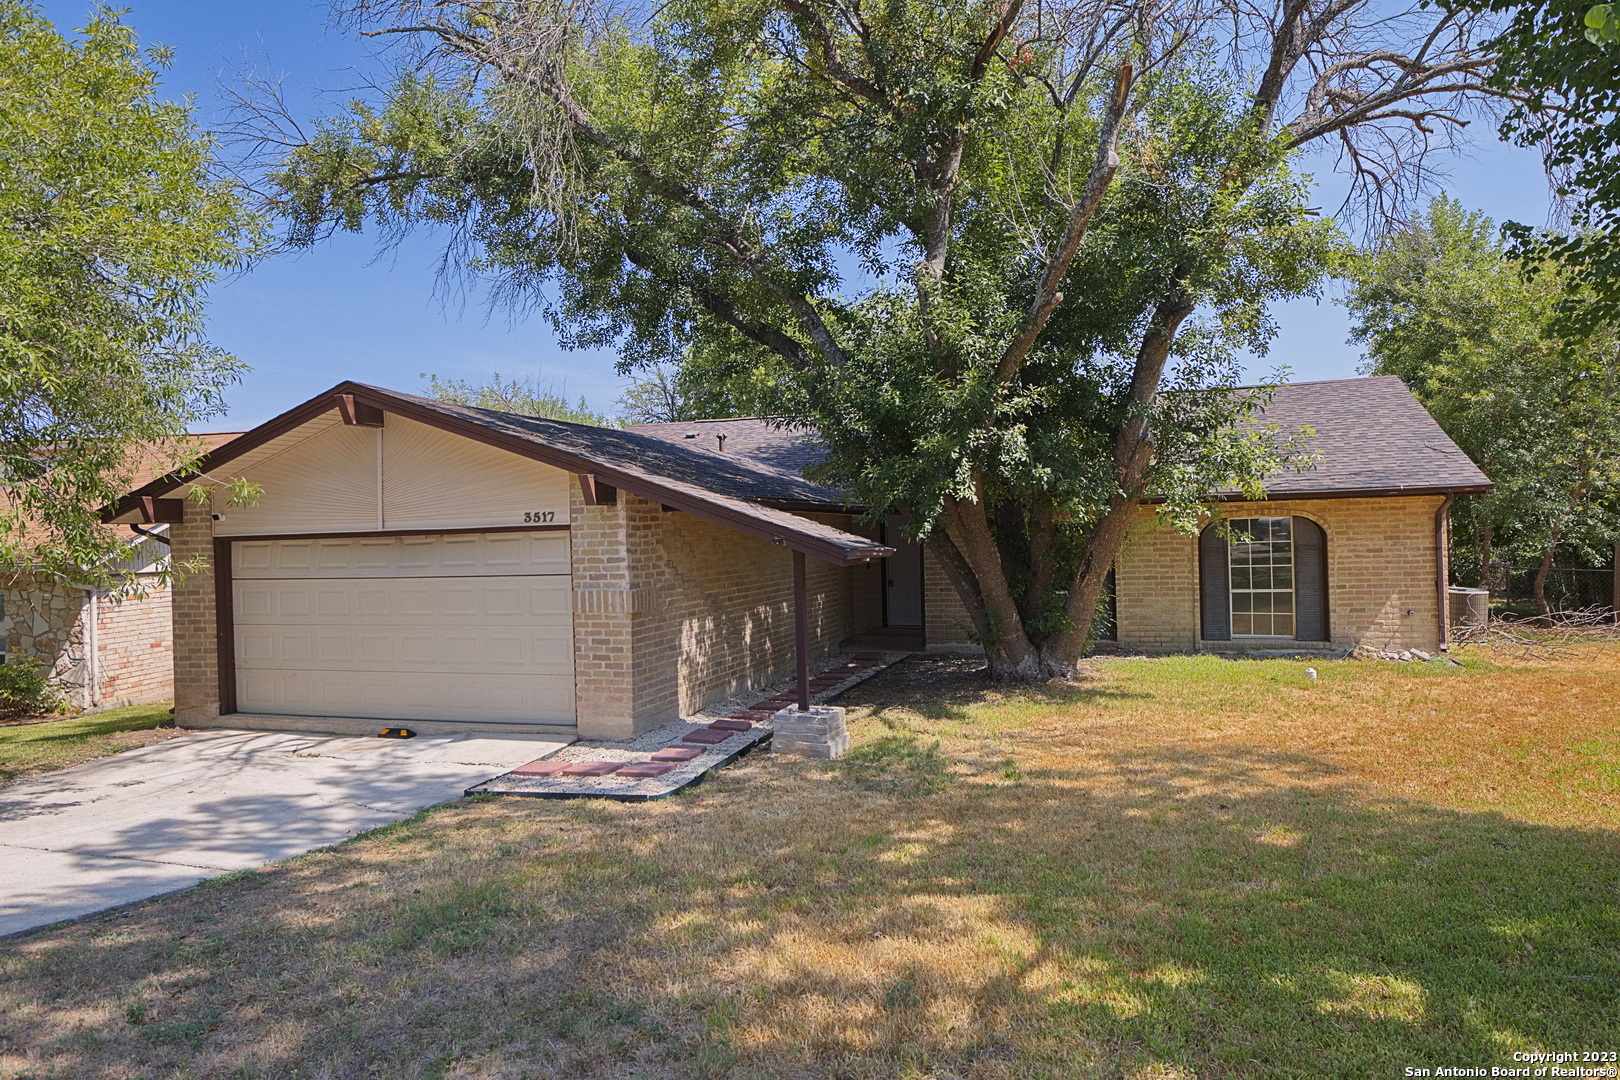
(1245, 526)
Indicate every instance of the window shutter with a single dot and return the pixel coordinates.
(1310, 581)
(1214, 584)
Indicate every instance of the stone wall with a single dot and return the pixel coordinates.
(43, 625)
(1381, 574)
(45, 622)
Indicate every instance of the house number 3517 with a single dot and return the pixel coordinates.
(535, 517)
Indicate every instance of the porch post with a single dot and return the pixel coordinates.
(801, 630)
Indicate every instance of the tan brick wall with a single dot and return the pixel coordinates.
(603, 706)
(946, 624)
(1156, 588)
(722, 621)
(196, 670)
(1381, 565)
(135, 647)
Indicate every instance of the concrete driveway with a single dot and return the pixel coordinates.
(164, 817)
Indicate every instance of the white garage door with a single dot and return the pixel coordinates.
(474, 627)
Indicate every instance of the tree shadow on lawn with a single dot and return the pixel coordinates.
(1234, 913)
(955, 687)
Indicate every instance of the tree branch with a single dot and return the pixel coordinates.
(1047, 297)
(723, 234)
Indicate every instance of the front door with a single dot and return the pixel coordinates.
(902, 579)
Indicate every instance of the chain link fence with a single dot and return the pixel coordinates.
(1568, 588)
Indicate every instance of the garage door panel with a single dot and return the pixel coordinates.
(531, 600)
(473, 627)
(459, 555)
(543, 649)
(529, 698)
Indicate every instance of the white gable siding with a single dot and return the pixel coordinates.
(431, 477)
(404, 476)
(325, 483)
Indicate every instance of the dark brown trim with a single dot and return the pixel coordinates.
(1442, 570)
(373, 533)
(596, 493)
(801, 630)
(359, 414)
(675, 495)
(274, 428)
(156, 511)
(646, 487)
(1355, 493)
(224, 624)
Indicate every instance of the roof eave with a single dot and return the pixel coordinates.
(1384, 491)
(733, 513)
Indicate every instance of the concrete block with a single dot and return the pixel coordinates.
(818, 733)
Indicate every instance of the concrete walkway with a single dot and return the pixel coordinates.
(164, 817)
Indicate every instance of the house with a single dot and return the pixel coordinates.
(418, 562)
(99, 648)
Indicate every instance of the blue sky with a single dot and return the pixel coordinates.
(341, 311)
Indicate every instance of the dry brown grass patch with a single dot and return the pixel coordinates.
(1185, 867)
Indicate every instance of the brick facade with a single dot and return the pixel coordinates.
(196, 660)
(46, 622)
(672, 612)
(1381, 575)
(134, 648)
(946, 624)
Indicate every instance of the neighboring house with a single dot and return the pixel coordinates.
(441, 566)
(100, 649)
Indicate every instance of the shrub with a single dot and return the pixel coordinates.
(24, 689)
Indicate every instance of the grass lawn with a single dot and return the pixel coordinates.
(1186, 867)
(28, 749)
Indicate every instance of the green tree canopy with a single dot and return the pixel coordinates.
(1444, 306)
(525, 397)
(1562, 68)
(1002, 255)
(113, 226)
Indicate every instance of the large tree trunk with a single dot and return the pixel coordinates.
(973, 560)
(1007, 648)
(1482, 535)
(1133, 454)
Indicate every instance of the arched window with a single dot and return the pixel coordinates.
(1263, 577)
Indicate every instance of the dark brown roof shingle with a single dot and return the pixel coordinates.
(1369, 436)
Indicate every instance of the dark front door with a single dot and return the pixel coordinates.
(902, 580)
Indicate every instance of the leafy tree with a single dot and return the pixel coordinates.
(1602, 24)
(654, 397)
(113, 226)
(706, 384)
(1074, 216)
(1443, 306)
(526, 397)
(1559, 62)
